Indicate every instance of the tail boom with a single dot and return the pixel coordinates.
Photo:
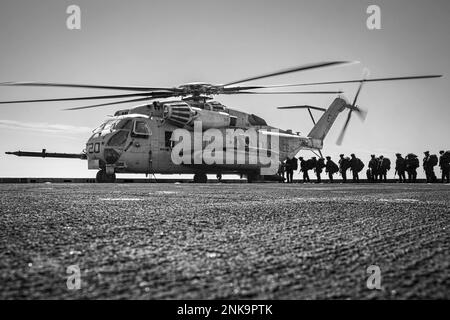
(323, 126)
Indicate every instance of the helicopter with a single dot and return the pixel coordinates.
(141, 139)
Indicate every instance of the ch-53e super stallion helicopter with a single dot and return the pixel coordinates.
(140, 139)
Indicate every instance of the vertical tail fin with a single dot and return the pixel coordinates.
(320, 130)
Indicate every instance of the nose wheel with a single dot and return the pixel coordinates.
(103, 177)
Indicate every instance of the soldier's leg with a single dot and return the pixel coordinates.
(446, 175)
(403, 176)
(433, 175)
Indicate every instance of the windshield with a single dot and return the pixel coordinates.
(112, 125)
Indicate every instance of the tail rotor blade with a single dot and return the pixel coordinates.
(342, 134)
(362, 114)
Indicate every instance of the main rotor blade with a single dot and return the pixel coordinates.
(287, 92)
(341, 135)
(290, 70)
(347, 81)
(109, 103)
(148, 94)
(303, 107)
(86, 86)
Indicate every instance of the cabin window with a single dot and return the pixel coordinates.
(167, 139)
(233, 121)
(254, 120)
(140, 129)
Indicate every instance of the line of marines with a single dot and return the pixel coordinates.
(378, 167)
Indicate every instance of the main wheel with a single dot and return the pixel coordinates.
(103, 177)
(200, 178)
(253, 177)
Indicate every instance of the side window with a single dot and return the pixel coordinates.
(140, 129)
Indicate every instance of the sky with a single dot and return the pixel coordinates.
(168, 43)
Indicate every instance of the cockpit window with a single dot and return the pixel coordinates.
(124, 124)
(118, 139)
(113, 125)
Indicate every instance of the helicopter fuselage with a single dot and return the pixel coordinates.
(139, 140)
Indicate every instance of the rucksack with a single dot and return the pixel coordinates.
(446, 157)
(320, 164)
(433, 160)
(359, 165)
(386, 163)
(345, 164)
(294, 163)
(415, 163)
(334, 167)
(311, 164)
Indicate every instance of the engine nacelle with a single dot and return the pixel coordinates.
(182, 114)
(179, 113)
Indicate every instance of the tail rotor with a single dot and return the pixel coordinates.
(353, 107)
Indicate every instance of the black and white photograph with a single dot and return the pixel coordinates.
(224, 155)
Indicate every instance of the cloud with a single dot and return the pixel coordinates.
(43, 127)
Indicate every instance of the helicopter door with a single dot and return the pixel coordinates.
(140, 147)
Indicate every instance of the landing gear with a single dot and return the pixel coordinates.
(103, 177)
(200, 178)
(253, 177)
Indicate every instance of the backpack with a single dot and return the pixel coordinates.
(359, 165)
(345, 164)
(333, 167)
(310, 164)
(386, 164)
(415, 163)
(446, 157)
(320, 164)
(433, 160)
(294, 163)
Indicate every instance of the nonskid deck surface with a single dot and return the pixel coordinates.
(224, 240)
